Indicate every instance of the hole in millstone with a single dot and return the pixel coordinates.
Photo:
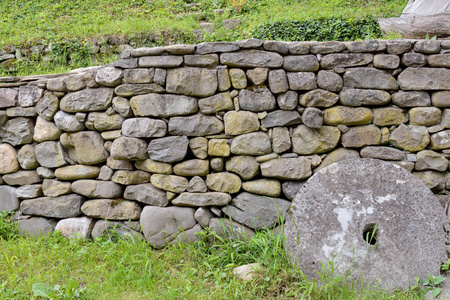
(370, 233)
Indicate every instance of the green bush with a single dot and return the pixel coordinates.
(331, 29)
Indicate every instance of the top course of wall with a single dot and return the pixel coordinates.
(174, 139)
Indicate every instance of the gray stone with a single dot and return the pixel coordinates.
(29, 191)
(203, 216)
(75, 82)
(138, 75)
(439, 60)
(278, 82)
(67, 122)
(245, 166)
(366, 46)
(144, 51)
(440, 140)
(238, 78)
(318, 98)
(190, 81)
(163, 61)
(386, 61)
(326, 47)
(302, 81)
(425, 116)
(288, 100)
(75, 227)
(255, 143)
(45, 172)
(311, 141)
(197, 185)
(129, 90)
(161, 225)
(216, 103)
(281, 118)
(55, 188)
(435, 181)
(8, 199)
(77, 172)
(22, 178)
(45, 131)
(223, 79)
(129, 148)
(17, 131)
(410, 138)
(160, 76)
(223, 182)
(299, 47)
(112, 209)
(257, 76)
(213, 47)
(144, 127)
(193, 167)
(105, 174)
(97, 189)
(50, 154)
(361, 136)
(398, 46)
(197, 125)
(171, 183)
(127, 63)
(441, 99)
(298, 168)
(383, 153)
(424, 79)
(229, 230)
(348, 213)
(369, 78)
(56, 85)
(312, 117)
(291, 188)
(146, 193)
(281, 141)
(337, 155)
(109, 76)
(257, 99)
(430, 160)
(414, 60)
(359, 97)
(207, 60)
(122, 106)
(427, 46)
(301, 63)
(9, 162)
(250, 43)
(169, 149)
(199, 147)
(62, 207)
(329, 81)
(345, 60)
(156, 105)
(8, 97)
(276, 46)
(202, 199)
(85, 147)
(21, 112)
(411, 99)
(29, 95)
(252, 59)
(87, 100)
(36, 226)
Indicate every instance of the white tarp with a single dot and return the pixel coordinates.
(426, 7)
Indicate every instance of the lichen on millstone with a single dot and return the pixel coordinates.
(365, 197)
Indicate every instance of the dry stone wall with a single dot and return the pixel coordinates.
(170, 140)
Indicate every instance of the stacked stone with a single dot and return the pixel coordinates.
(171, 140)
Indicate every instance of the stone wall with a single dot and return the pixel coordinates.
(170, 140)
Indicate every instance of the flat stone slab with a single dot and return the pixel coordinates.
(337, 207)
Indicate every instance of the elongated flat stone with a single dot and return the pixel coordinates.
(62, 207)
(252, 59)
(202, 199)
(156, 105)
(87, 100)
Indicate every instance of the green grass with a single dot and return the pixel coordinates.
(129, 269)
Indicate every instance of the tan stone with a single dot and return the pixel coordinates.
(337, 155)
(441, 99)
(193, 167)
(266, 187)
(297, 168)
(8, 159)
(171, 183)
(45, 131)
(387, 116)
(112, 209)
(440, 140)
(223, 182)
(238, 78)
(153, 166)
(311, 141)
(347, 115)
(281, 141)
(240, 122)
(362, 136)
(130, 177)
(435, 181)
(410, 138)
(257, 76)
(245, 166)
(77, 172)
(199, 147)
(425, 116)
(218, 147)
(55, 188)
(319, 98)
(430, 160)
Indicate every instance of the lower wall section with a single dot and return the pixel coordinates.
(171, 140)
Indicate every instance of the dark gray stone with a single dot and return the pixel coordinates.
(329, 81)
(166, 61)
(257, 99)
(384, 153)
(216, 47)
(326, 47)
(299, 48)
(411, 99)
(276, 46)
(355, 196)
(36, 226)
(359, 97)
(87, 100)
(128, 90)
(288, 100)
(366, 46)
(291, 188)
(168, 149)
(62, 207)
(312, 117)
(414, 60)
(369, 78)
(399, 46)
(17, 131)
(281, 118)
(301, 63)
(197, 125)
(257, 212)
(302, 81)
(427, 46)
(424, 79)
(345, 60)
(278, 82)
(250, 43)
(207, 60)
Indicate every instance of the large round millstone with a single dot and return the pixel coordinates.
(338, 207)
